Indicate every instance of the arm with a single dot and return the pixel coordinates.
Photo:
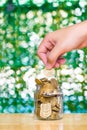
(57, 43)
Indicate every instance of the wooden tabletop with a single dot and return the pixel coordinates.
(29, 122)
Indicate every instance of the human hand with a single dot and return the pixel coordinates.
(57, 43)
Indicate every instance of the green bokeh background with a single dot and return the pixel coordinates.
(23, 24)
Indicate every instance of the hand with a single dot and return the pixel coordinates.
(57, 43)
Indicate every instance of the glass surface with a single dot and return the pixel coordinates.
(48, 99)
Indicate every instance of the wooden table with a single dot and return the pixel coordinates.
(28, 122)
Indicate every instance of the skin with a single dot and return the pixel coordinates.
(59, 42)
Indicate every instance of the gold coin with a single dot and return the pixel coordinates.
(38, 81)
(48, 73)
(44, 80)
(55, 109)
(54, 83)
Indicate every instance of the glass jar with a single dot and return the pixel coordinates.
(48, 99)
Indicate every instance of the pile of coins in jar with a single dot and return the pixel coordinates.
(47, 99)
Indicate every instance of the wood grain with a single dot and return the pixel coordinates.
(29, 122)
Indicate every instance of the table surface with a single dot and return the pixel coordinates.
(29, 122)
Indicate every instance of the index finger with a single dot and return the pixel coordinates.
(44, 48)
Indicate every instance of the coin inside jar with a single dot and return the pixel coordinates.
(54, 82)
(38, 81)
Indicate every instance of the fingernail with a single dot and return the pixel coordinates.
(56, 66)
(48, 66)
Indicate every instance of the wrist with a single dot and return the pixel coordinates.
(82, 30)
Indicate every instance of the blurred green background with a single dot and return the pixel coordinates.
(23, 24)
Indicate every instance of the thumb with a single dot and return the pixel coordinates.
(53, 56)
